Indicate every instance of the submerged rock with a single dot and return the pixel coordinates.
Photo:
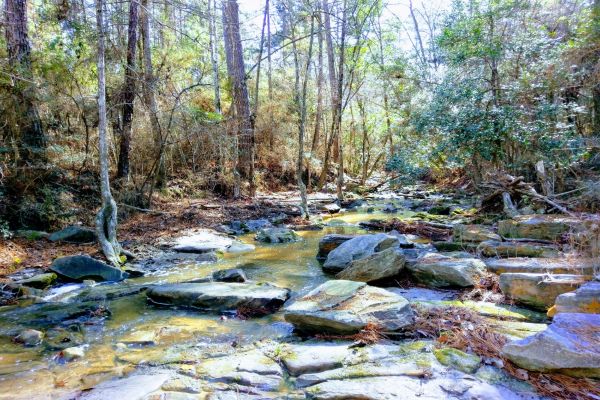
(569, 345)
(585, 300)
(342, 306)
(328, 243)
(581, 266)
(380, 265)
(230, 275)
(545, 227)
(467, 363)
(439, 270)
(30, 337)
(473, 234)
(220, 296)
(85, 267)
(538, 290)
(492, 248)
(277, 235)
(74, 234)
(73, 353)
(357, 248)
(41, 281)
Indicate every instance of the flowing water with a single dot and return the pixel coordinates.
(154, 333)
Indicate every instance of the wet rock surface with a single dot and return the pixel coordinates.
(85, 267)
(277, 235)
(357, 248)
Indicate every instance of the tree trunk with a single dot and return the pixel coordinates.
(213, 53)
(106, 219)
(150, 96)
(319, 111)
(260, 53)
(340, 88)
(241, 104)
(32, 141)
(128, 92)
(417, 32)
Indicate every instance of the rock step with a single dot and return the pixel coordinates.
(545, 227)
(574, 266)
(584, 300)
(538, 290)
(493, 248)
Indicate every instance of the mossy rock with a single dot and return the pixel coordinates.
(467, 363)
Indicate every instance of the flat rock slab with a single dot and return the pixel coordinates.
(473, 233)
(538, 290)
(569, 345)
(357, 248)
(202, 241)
(85, 267)
(220, 296)
(133, 387)
(277, 235)
(74, 234)
(342, 306)
(585, 300)
(41, 281)
(438, 270)
(328, 243)
(570, 265)
(493, 248)
(545, 227)
(380, 265)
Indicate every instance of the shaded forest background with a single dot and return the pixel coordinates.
(327, 95)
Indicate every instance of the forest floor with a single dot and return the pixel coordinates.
(165, 220)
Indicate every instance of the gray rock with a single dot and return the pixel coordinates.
(546, 227)
(220, 296)
(357, 248)
(538, 290)
(73, 353)
(331, 208)
(569, 345)
(86, 267)
(341, 306)
(277, 235)
(439, 270)
(571, 265)
(586, 299)
(380, 265)
(30, 337)
(493, 248)
(473, 233)
(460, 360)
(41, 281)
(202, 241)
(74, 234)
(230, 275)
(330, 242)
(240, 248)
(134, 387)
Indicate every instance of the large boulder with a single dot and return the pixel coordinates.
(538, 290)
(569, 345)
(494, 248)
(341, 306)
(573, 265)
(74, 234)
(357, 248)
(328, 243)
(585, 300)
(251, 298)
(277, 235)
(380, 265)
(473, 233)
(85, 267)
(545, 227)
(438, 270)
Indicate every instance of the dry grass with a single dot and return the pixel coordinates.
(465, 330)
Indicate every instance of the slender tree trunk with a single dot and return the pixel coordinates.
(29, 133)
(128, 92)
(386, 107)
(417, 32)
(241, 104)
(213, 53)
(260, 53)
(106, 220)
(340, 89)
(319, 111)
(270, 82)
(150, 95)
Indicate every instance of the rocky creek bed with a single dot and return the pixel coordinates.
(265, 311)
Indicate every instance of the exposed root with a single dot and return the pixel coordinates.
(465, 330)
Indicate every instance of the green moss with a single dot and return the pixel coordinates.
(460, 360)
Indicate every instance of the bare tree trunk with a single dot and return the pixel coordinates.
(319, 111)
(417, 32)
(270, 82)
(260, 53)
(241, 104)
(300, 100)
(213, 53)
(386, 107)
(128, 92)
(31, 139)
(106, 219)
(340, 88)
(150, 96)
